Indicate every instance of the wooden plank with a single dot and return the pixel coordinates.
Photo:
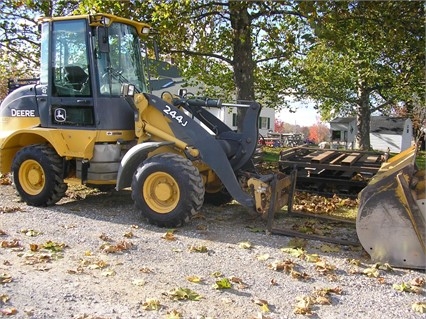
(323, 157)
(370, 159)
(338, 159)
(352, 158)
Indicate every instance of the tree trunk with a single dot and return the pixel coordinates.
(363, 118)
(243, 57)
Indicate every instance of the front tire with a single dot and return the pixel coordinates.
(168, 189)
(37, 175)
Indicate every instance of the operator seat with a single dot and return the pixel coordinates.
(75, 75)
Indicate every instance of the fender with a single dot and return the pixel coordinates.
(131, 160)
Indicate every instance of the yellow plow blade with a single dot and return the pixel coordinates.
(392, 212)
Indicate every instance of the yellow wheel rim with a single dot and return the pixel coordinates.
(31, 177)
(161, 192)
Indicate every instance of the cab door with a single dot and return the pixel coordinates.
(71, 98)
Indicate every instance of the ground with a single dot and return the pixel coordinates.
(92, 256)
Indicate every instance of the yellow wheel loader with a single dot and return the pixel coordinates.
(90, 119)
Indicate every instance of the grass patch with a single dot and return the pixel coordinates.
(421, 160)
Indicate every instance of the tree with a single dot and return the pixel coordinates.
(19, 38)
(366, 57)
(237, 49)
(318, 133)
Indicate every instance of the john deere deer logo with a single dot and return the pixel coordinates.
(60, 115)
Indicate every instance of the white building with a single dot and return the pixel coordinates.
(343, 131)
(394, 133)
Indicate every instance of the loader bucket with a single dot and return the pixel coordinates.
(391, 216)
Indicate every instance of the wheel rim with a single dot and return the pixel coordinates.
(161, 192)
(31, 177)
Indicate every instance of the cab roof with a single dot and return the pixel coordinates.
(100, 19)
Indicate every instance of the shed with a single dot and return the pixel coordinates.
(343, 131)
(395, 133)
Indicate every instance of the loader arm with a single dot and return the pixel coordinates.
(241, 144)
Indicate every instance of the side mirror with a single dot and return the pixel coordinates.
(103, 42)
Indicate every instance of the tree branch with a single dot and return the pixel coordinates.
(212, 55)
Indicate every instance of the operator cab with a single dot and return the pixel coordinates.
(84, 61)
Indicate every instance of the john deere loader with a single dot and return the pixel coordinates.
(91, 119)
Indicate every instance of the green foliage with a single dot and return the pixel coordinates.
(367, 56)
(421, 160)
(19, 38)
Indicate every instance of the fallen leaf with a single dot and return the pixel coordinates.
(30, 232)
(223, 283)
(108, 273)
(138, 282)
(325, 248)
(303, 305)
(173, 314)
(10, 243)
(5, 278)
(297, 243)
(34, 247)
(8, 311)
(129, 234)
(54, 246)
(419, 282)
(169, 236)
(104, 237)
(198, 249)
(324, 267)
(371, 272)
(263, 257)
(151, 304)
(407, 287)
(184, 294)
(285, 266)
(4, 298)
(419, 307)
(194, 279)
(216, 274)
(264, 307)
(145, 270)
(245, 245)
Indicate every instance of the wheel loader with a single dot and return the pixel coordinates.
(90, 119)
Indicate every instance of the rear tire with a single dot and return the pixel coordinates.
(168, 189)
(37, 175)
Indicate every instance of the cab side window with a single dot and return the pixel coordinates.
(71, 75)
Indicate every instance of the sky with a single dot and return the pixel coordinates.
(305, 115)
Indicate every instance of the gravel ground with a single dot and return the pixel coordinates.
(94, 258)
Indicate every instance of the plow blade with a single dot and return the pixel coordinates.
(391, 216)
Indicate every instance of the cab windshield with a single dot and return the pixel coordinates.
(123, 61)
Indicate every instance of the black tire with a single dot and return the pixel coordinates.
(168, 189)
(37, 172)
(219, 198)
